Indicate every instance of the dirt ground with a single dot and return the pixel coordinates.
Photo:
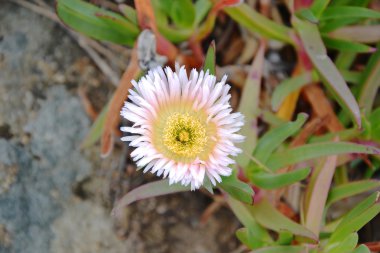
(56, 197)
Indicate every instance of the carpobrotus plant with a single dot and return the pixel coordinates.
(315, 114)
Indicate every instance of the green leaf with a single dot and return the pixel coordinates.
(374, 120)
(267, 216)
(370, 82)
(356, 218)
(274, 138)
(318, 7)
(361, 249)
(173, 34)
(96, 22)
(237, 189)
(202, 7)
(149, 190)
(311, 151)
(182, 12)
(256, 22)
(164, 27)
(344, 135)
(129, 13)
(344, 60)
(272, 181)
(290, 85)
(209, 63)
(352, 76)
(249, 107)
(346, 245)
(346, 46)
(342, 12)
(316, 50)
(96, 129)
(246, 237)
(284, 238)
(282, 249)
(307, 14)
(340, 192)
(260, 236)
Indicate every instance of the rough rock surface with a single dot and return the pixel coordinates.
(55, 197)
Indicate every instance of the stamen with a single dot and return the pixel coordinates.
(184, 135)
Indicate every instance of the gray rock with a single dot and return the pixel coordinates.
(47, 169)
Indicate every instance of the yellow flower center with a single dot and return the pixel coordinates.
(184, 135)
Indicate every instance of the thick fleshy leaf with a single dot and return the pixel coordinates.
(210, 63)
(316, 194)
(286, 87)
(260, 236)
(96, 22)
(256, 22)
(370, 82)
(334, 81)
(356, 218)
(352, 76)
(247, 237)
(129, 13)
(202, 7)
(374, 120)
(269, 217)
(342, 12)
(249, 107)
(149, 190)
(318, 7)
(275, 137)
(361, 249)
(358, 33)
(310, 151)
(237, 189)
(308, 15)
(346, 245)
(351, 189)
(182, 12)
(270, 181)
(346, 45)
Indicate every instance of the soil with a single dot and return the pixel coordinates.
(56, 197)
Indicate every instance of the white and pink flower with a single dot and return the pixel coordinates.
(183, 127)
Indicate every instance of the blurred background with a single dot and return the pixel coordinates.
(57, 193)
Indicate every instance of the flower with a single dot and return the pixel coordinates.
(183, 127)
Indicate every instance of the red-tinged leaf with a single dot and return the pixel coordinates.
(249, 107)
(226, 3)
(112, 117)
(316, 50)
(358, 33)
(316, 194)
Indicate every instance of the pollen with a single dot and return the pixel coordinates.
(184, 135)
